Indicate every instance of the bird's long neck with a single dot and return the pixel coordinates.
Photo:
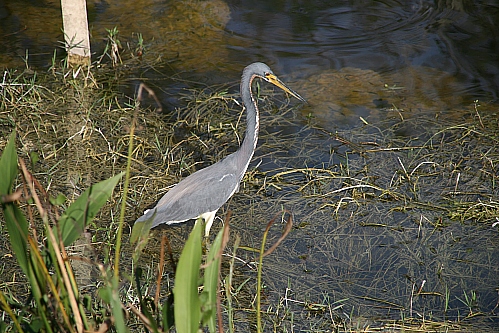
(252, 123)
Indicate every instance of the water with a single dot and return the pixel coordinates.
(443, 55)
(357, 63)
(384, 36)
(299, 38)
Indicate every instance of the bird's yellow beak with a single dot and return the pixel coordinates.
(275, 81)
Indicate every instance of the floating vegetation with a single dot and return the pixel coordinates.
(395, 221)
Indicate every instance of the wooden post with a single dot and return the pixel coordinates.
(76, 36)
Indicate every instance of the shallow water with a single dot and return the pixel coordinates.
(455, 39)
(358, 63)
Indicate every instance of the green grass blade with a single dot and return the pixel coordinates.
(38, 285)
(140, 230)
(186, 298)
(81, 212)
(8, 165)
(140, 235)
(211, 274)
(17, 227)
(6, 307)
(119, 317)
(168, 313)
(228, 285)
(259, 282)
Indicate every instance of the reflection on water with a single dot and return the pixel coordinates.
(371, 59)
(457, 38)
(338, 98)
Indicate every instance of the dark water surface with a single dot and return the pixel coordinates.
(356, 62)
(459, 38)
(440, 54)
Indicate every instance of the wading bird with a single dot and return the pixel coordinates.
(205, 191)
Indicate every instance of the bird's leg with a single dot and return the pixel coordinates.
(208, 217)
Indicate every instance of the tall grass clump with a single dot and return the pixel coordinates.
(54, 304)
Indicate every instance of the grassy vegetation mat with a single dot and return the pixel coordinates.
(394, 222)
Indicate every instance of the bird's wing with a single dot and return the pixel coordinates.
(204, 191)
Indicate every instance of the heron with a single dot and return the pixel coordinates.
(202, 193)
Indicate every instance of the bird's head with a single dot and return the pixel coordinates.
(263, 71)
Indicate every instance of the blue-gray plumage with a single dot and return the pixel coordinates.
(202, 193)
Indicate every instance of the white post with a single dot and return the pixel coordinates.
(75, 24)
